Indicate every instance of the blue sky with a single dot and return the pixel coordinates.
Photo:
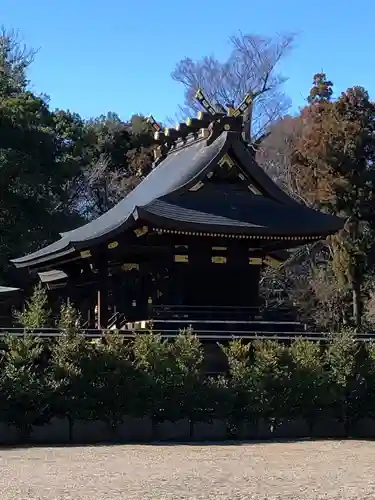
(117, 55)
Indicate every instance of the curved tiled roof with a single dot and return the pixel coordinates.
(222, 210)
(165, 196)
(178, 169)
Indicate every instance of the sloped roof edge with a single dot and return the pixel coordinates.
(178, 170)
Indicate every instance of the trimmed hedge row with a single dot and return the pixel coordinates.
(70, 377)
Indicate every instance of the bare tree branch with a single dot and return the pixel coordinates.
(250, 68)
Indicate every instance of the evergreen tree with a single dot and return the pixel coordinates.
(36, 313)
(25, 396)
(333, 162)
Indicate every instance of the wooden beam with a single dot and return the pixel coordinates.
(102, 300)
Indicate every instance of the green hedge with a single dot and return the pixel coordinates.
(106, 380)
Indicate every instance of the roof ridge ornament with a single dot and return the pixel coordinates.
(229, 109)
(228, 117)
(154, 124)
(161, 150)
(204, 102)
(208, 124)
(242, 107)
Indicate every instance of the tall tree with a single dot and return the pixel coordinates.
(35, 172)
(251, 68)
(311, 170)
(119, 155)
(275, 153)
(38, 161)
(333, 163)
(15, 58)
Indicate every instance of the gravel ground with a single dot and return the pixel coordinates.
(301, 470)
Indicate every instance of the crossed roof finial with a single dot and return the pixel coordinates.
(203, 101)
(154, 124)
(231, 110)
(246, 102)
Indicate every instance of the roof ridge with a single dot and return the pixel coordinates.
(204, 127)
(208, 124)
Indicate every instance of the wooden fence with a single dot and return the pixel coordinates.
(203, 335)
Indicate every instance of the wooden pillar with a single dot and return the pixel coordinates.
(103, 295)
(90, 316)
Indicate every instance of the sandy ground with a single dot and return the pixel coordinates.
(301, 470)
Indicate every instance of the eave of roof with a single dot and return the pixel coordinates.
(178, 170)
(185, 165)
(53, 275)
(260, 217)
(4, 290)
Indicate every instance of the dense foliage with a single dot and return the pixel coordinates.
(56, 169)
(325, 158)
(112, 378)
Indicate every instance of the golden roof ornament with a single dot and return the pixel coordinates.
(229, 109)
(204, 102)
(154, 124)
(247, 101)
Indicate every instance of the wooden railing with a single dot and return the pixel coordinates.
(203, 335)
(222, 320)
(220, 312)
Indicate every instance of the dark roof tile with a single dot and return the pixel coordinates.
(243, 212)
(164, 193)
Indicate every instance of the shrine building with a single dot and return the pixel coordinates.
(191, 238)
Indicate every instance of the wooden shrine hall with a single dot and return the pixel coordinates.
(190, 240)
